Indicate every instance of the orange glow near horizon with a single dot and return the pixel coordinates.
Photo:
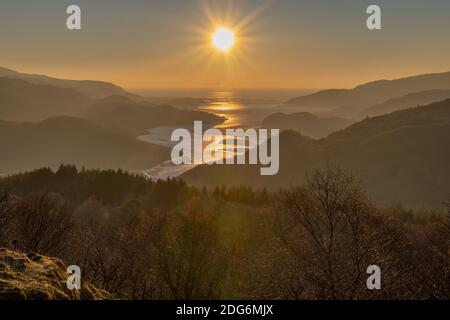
(178, 46)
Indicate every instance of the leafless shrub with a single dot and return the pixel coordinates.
(432, 260)
(193, 262)
(5, 217)
(42, 224)
(334, 234)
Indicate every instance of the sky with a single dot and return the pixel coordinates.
(144, 44)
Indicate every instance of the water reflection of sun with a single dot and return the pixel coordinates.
(221, 106)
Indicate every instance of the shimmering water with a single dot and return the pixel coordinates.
(240, 112)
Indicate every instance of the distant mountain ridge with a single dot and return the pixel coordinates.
(373, 92)
(410, 100)
(90, 88)
(34, 98)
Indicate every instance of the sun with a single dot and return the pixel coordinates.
(223, 39)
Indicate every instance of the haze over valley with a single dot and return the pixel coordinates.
(48, 121)
(224, 150)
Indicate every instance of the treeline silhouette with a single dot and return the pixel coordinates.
(112, 187)
(143, 239)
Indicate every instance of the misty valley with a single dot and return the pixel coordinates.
(224, 158)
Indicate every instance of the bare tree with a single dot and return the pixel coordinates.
(334, 234)
(116, 250)
(433, 260)
(5, 217)
(42, 224)
(192, 260)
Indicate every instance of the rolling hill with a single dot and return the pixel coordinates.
(306, 123)
(402, 157)
(26, 146)
(24, 101)
(133, 117)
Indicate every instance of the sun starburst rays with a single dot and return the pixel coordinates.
(217, 65)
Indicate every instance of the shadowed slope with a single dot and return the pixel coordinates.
(401, 157)
(68, 140)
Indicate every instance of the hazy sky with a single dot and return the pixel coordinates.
(281, 43)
